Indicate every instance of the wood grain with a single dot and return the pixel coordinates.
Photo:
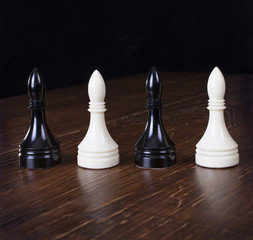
(125, 202)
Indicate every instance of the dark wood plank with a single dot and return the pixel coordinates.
(125, 202)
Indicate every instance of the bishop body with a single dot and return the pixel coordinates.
(216, 149)
(39, 148)
(97, 150)
(154, 149)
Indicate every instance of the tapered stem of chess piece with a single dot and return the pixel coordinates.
(216, 149)
(154, 149)
(97, 150)
(39, 149)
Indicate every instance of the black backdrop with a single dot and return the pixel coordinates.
(67, 40)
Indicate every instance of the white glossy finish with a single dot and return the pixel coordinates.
(97, 150)
(216, 149)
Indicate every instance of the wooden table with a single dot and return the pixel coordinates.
(126, 202)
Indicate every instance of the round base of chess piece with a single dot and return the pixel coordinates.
(147, 158)
(98, 160)
(39, 158)
(217, 159)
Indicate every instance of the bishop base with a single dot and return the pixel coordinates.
(217, 159)
(98, 160)
(39, 159)
(147, 158)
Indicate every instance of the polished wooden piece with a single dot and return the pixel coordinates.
(154, 149)
(39, 149)
(126, 202)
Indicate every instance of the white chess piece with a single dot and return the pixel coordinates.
(97, 150)
(216, 149)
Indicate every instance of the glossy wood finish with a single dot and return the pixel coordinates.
(126, 202)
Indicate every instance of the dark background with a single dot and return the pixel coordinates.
(67, 40)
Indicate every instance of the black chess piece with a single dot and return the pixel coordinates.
(154, 149)
(39, 148)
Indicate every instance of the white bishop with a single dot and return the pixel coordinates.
(97, 150)
(216, 149)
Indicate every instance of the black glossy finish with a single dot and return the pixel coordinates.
(39, 148)
(154, 149)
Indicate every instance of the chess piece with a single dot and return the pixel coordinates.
(97, 150)
(216, 149)
(154, 149)
(39, 148)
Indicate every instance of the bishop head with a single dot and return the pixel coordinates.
(154, 84)
(96, 87)
(216, 85)
(36, 85)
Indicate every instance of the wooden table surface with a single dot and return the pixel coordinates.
(126, 202)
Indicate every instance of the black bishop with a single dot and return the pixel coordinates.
(39, 148)
(154, 149)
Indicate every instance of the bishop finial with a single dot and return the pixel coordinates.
(154, 84)
(36, 85)
(216, 85)
(96, 87)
